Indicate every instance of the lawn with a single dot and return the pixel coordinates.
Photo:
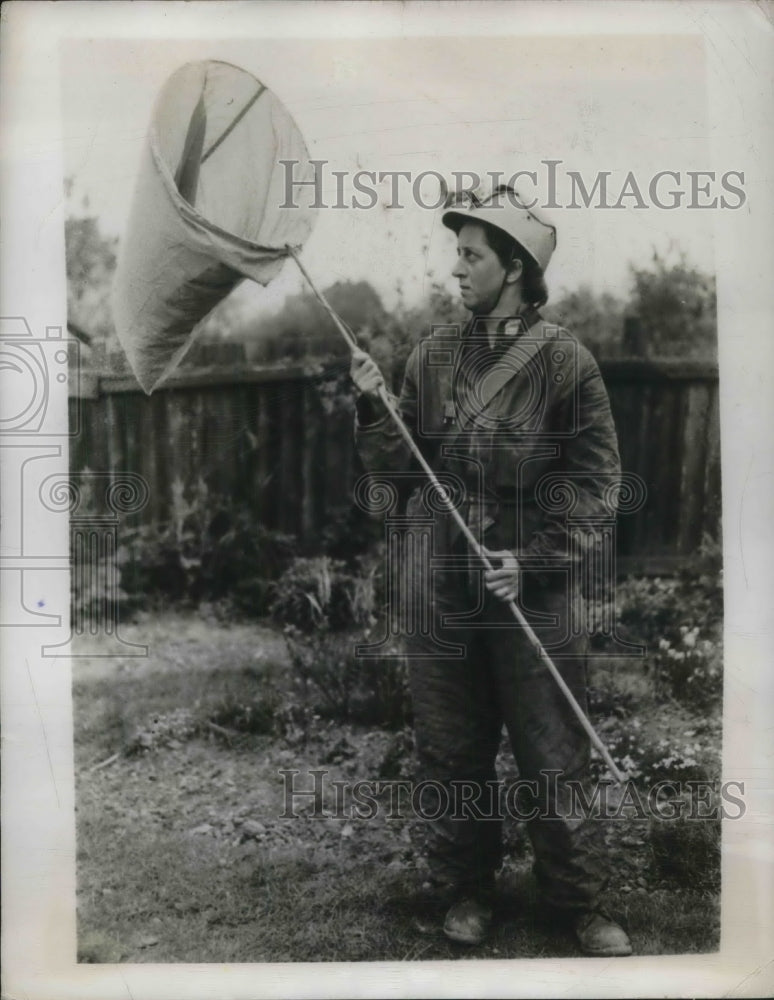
(184, 856)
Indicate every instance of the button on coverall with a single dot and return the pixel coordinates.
(523, 434)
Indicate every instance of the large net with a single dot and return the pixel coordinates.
(207, 210)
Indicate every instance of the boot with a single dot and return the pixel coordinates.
(468, 921)
(598, 935)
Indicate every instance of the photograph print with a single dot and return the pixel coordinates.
(394, 495)
(406, 411)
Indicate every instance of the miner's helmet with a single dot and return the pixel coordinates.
(505, 210)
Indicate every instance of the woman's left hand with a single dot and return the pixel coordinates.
(503, 580)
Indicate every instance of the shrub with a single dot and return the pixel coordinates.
(332, 681)
(648, 607)
(259, 713)
(163, 729)
(648, 757)
(679, 620)
(349, 534)
(95, 587)
(690, 671)
(320, 593)
(209, 549)
(327, 610)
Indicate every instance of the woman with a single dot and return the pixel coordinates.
(511, 411)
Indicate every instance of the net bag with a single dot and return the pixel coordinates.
(207, 210)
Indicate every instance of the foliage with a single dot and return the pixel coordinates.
(259, 711)
(90, 261)
(302, 332)
(674, 301)
(192, 837)
(679, 620)
(691, 755)
(303, 329)
(163, 729)
(95, 587)
(327, 610)
(410, 324)
(209, 548)
(663, 746)
(595, 319)
(677, 307)
(319, 593)
(350, 533)
(332, 681)
(95, 584)
(691, 671)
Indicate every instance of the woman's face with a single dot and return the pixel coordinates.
(478, 270)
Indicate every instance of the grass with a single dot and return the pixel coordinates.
(183, 855)
(182, 903)
(312, 906)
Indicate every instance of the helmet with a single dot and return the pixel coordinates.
(504, 210)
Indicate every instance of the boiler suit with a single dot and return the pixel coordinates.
(522, 456)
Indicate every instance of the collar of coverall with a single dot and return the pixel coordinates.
(509, 327)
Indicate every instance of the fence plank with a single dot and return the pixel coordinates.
(309, 458)
(694, 456)
(711, 522)
(156, 441)
(262, 426)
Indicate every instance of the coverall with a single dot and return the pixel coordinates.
(526, 428)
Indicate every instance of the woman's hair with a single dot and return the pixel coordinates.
(534, 289)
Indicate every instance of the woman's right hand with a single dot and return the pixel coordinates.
(365, 373)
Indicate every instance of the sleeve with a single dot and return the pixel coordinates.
(592, 465)
(377, 439)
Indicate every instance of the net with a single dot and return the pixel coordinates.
(207, 210)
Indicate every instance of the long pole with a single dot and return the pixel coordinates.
(472, 541)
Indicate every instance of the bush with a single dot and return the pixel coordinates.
(679, 620)
(209, 549)
(319, 593)
(652, 607)
(664, 743)
(331, 681)
(163, 729)
(327, 610)
(690, 671)
(350, 534)
(95, 587)
(259, 714)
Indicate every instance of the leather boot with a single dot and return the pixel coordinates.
(468, 921)
(598, 935)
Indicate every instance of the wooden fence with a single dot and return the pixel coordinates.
(271, 440)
